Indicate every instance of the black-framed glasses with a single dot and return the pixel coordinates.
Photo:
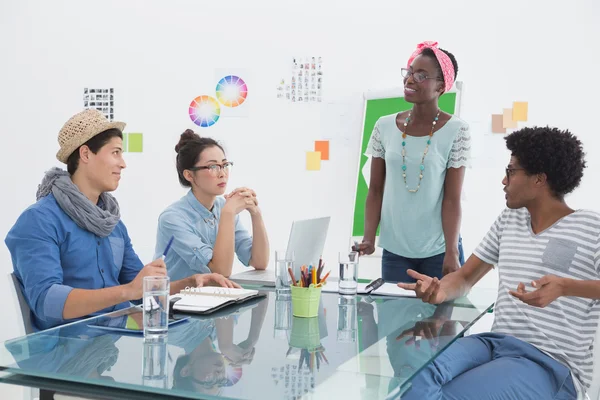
(417, 76)
(511, 171)
(215, 169)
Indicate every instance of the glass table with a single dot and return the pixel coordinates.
(359, 347)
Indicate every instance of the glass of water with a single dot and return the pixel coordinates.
(347, 319)
(283, 314)
(283, 261)
(348, 282)
(155, 363)
(348, 277)
(156, 306)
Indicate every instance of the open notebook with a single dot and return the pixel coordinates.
(206, 300)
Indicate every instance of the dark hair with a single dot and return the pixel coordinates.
(558, 154)
(95, 144)
(189, 148)
(182, 382)
(187, 383)
(427, 52)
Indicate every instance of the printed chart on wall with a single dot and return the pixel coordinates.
(376, 107)
(304, 84)
(102, 100)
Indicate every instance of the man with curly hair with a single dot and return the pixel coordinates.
(548, 260)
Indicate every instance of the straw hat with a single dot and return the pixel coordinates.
(80, 128)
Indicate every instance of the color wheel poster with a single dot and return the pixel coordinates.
(227, 98)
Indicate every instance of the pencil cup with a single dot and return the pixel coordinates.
(305, 333)
(305, 301)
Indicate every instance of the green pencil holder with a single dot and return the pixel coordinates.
(305, 333)
(305, 301)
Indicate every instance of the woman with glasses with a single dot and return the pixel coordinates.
(205, 224)
(419, 156)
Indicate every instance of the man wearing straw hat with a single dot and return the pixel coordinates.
(70, 250)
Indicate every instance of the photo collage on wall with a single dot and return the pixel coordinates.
(305, 85)
(101, 100)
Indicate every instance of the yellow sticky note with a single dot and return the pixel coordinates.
(520, 111)
(507, 121)
(313, 160)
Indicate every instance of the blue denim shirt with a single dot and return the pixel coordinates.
(195, 230)
(51, 256)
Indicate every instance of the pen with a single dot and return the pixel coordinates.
(306, 279)
(168, 247)
(153, 303)
(376, 284)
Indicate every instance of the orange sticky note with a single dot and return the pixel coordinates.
(313, 160)
(323, 147)
(507, 121)
(497, 123)
(519, 111)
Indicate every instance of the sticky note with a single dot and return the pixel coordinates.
(313, 160)
(323, 147)
(507, 121)
(136, 142)
(520, 111)
(497, 123)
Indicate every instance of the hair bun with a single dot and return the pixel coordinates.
(185, 137)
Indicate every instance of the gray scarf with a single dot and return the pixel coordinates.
(99, 219)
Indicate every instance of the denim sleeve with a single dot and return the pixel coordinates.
(186, 243)
(243, 242)
(132, 264)
(35, 250)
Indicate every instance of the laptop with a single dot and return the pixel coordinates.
(306, 241)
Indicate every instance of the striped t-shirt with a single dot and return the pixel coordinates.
(565, 329)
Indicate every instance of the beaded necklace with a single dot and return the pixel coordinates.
(422, 167)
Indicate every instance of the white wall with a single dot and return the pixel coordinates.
(160, 55)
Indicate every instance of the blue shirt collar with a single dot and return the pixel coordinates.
(197, 206)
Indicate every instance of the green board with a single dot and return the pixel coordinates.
(375, 109)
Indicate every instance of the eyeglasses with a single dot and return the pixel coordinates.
(417, 76)
(511, 171)
(215, 169)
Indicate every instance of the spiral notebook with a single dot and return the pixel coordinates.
(206, 300)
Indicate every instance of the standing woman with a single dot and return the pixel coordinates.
(419, 156)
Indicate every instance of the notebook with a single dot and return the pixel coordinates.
(206, 300)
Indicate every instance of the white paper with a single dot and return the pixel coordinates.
(387, 289)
